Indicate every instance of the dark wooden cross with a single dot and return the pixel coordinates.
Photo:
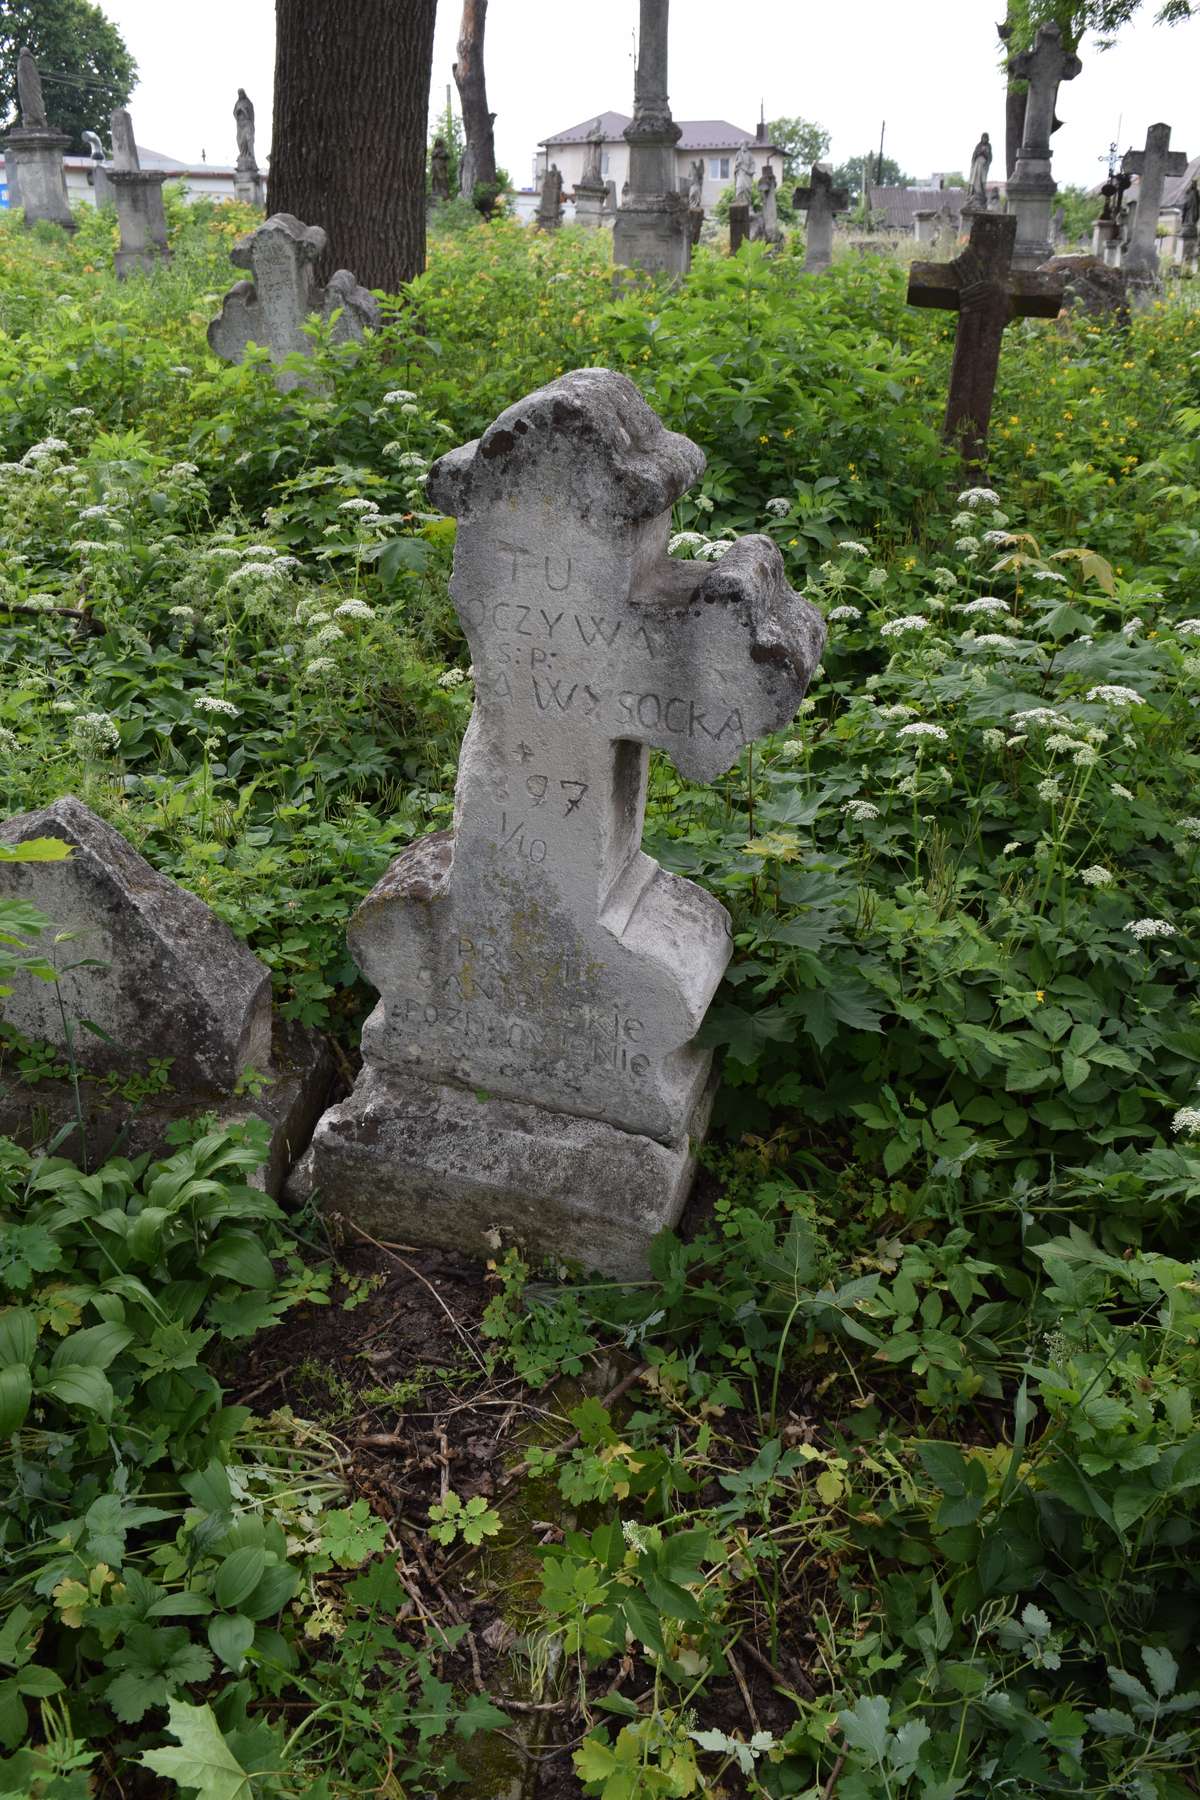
(983, 288)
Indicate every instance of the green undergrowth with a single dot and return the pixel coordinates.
(917, 1423)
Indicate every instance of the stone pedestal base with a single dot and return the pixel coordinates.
(1030, 194)
(652, 233)
(249, 187)
(432, 1164)
(34, 161)
(141, 219)
(589, 207)
(295, 1093)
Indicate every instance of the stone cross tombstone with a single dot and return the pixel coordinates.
(652, 230)
(138, 194)
(33, 154)
(1030, 193)
(166, 981)
(982, 286)
(767, 219)
(271, 310)
(1152, 165)
(821, 202)
(532, 1069)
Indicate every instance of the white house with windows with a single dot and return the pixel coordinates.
(714, 140)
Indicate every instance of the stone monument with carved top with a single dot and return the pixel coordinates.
(139, 200)
(271, 310)
(33, 154)
(531, 1070)
(1030, 193)
(821, 202)
(652, 230)
(1152, 166)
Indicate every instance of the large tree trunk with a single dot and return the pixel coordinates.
(1014, 101)
(351, 113)
(479, 157)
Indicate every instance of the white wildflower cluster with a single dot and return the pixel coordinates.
(222, 553)
(187, 613)
(1187, 628)
(967, 547)
(992, 739)
(253, 572)
(98, 511)
(399, 397)
(833, 576)
(860, 812)
(779, 507)
(992, 640)
(1060, 743)
(793, 748)
(1113, 695)
(945, 580)
(407, 459)
(897, 710)
(45, 450)
(843, 614)
(1186, 1122)
(1011, 848)
(1096, 876)
(911, 622)
(685, 540)
(451, 679)
(1150, 928)
(328, 634)
(1043, 716)
(94, 733)
(9, 744)
(1190, 828)
(1131, 628)
(353, 609)
(41, 602)
(1085, 757)
(1122, 793)
(996, 540)
(1048, 575)
(976, 497)
(919, 729)
(213, 703)
(368, 508)
(182, 471)
(1049, 790)
(90, 547)
(853, 546)
(877, 580)
(320, 665)
(714, 551)
(991, 604)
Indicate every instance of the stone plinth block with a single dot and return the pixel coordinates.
(446, 1167)
(165, 978)
(589, 206)
(272, 309)
(34, 160)
(653, 232)
(140, 219)
(535, 954)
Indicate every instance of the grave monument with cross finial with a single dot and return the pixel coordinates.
(1030, 193)
(138, 194)
(821, 202)
(987, 293)
(531, 1070)
(272, 309)
(1152, 166)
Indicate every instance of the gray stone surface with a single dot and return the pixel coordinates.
(536, 954)
(821, 202)
(1030, 193)
(550, 207)
(447, 1168)
(243, 118)
(169, 979)
(652, 229)
(272, 309)
(1152, 165)
(30, 98)
(1090, 285)
(124, 145)
(166, 981)
(981, 162)
(768, 216)
(33, 154)
(739, 225)
(138, 195)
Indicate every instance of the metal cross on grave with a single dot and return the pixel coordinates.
(982, 286)
(536, 953)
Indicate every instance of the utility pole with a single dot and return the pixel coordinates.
(879, 164)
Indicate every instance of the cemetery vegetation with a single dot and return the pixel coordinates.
(894, 1490)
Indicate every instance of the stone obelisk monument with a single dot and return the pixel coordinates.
(652, 230)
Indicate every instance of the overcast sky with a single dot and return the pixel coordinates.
(927, 67)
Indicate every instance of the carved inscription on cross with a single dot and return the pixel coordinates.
(986, 292)
(821, 201)
(536, 952)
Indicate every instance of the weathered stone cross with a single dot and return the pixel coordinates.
(822, 202)
(532, 1062)
(1152, 165)
(272, 309)
(1030, 193)
(986, 292)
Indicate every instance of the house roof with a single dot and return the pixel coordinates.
(698, 134)
(898, 206)
(1177, 186)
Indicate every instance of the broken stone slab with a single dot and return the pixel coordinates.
(164, 981)
(535, 954)
(272, 309)
(1090, 286)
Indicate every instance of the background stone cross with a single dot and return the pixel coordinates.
(1152, 165)
(272, 309)
(821, 201)
(1044, 67)
(986, 292)
(537, 952)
